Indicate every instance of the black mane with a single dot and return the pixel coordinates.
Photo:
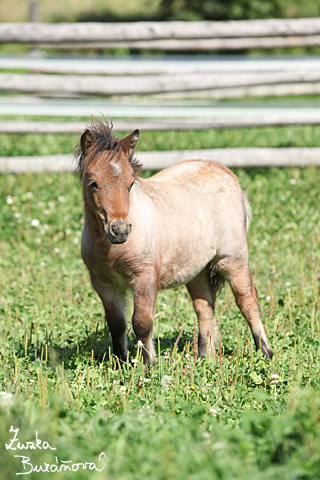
(104, 140)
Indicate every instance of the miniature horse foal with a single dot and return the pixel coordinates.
(185, 225)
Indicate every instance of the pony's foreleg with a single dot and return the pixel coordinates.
(114, 305)
(239, 276)
(203, 297)
(145, 292)
(117, 324)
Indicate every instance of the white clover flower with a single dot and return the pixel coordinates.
(9, 200)
(213, 412)
(38, 240)
(17, 214)
(35, 222)
(275, 378)
(61, 199)
(166, 380)
(122, 390)
(75, 241)
(5, 399)
(63, 255)
(51, 204)
(29, 195)
(43, 264)
(293, 181)
(56, 250)
(268, 298)
(134, 360)
(46, 212)
(67, 231)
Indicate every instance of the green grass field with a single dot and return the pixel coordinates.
(235, 416)
(294, 136)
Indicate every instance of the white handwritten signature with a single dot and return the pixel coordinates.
(46, 467)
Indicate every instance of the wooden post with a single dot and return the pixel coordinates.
(34, 17)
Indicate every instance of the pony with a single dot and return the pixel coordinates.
(186, 225)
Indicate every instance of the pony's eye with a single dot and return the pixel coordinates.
(93, 185)
(131, 185)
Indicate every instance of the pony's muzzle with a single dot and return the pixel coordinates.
(118, 231)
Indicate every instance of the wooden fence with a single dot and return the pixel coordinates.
(199, 80)
(204, 36)
(168, 36)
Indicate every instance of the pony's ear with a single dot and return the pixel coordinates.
(129, 143)
(86, 141)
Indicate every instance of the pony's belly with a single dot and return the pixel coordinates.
(174, 283)
(174, 274)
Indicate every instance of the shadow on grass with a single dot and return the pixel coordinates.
(98, 347)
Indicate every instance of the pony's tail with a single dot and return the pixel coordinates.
(248, 211)
(216, 279)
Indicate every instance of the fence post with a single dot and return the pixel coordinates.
(34, 17)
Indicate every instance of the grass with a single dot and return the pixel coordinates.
(219, 418)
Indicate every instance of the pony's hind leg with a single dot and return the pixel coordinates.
(238, 274)
(203, 296)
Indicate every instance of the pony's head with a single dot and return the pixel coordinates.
(108, 171)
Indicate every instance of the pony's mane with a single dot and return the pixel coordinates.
(104, 140)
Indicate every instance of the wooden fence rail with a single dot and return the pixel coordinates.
(206, 35)
(232, 157)
(198, 45)
(154, 64)
(151, 84)
(38, 127)
(133, 31)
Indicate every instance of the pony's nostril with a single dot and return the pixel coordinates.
(114, 229)
(119, 230)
